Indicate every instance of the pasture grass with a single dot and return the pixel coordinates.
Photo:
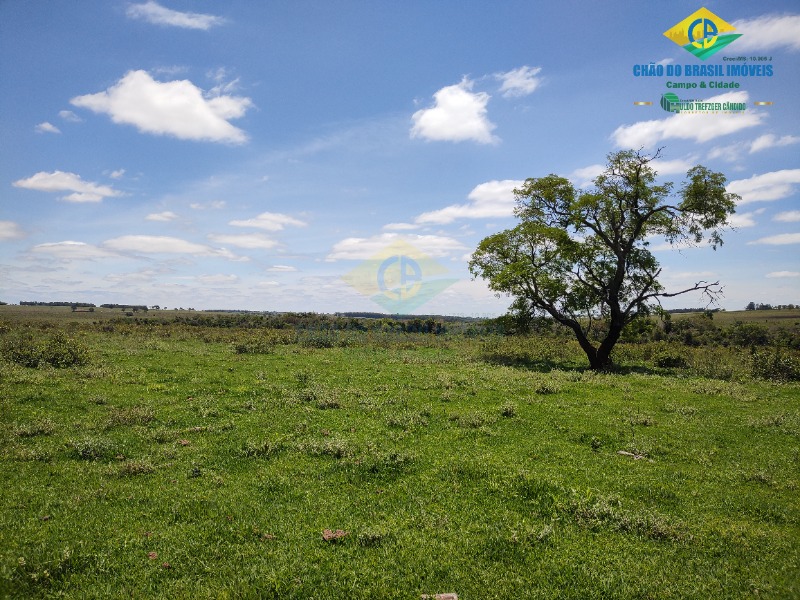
(173, 465)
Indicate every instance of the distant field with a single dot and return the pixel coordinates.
(66, 314)
(178, 461)
(769, 317)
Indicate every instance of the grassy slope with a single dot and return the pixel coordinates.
(449, 474)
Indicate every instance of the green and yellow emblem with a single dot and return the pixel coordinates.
(702, 33)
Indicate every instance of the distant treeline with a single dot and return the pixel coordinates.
(80, 304)
(373, 315)
(84, 305)
(758, 306)
(125, 306)
(678, 311)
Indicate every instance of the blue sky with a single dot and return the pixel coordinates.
(254, 155)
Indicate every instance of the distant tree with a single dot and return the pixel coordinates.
(581, 255)
(750, 306)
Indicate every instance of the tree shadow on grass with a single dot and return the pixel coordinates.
(546, 365)
(539, 365)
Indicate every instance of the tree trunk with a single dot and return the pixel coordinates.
(603, 354)
(586, 345)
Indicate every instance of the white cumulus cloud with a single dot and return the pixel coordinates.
(213, 205)
(765, 187)
(782, 239)
(247, 240)
(176, 108)
(282, 269)
(153, 12)
(366, 248)
(458, 115)
(770, 140)
(60, 181)
(782, 274)
(72, 250)
(698, 127)
(586, 175)
(268, 221)
(768, 32)
(747, 219)
(167, 215)
(487, 200)
(519, 82)
(9, 230)
(159, 244)
(789, 216)
(46, 127)
(400, 226)
(69, 116)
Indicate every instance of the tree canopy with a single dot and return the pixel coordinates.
(581, 255)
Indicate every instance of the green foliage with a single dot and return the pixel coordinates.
(748, 334)
(57, 350)
(582, 257)
(262, 341)
(670, 358)
(777, 364)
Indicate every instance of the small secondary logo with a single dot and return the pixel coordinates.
(400, 278)
(702, 33)
(670, 102)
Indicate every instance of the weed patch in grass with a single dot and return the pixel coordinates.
(41, 427)
(471, 420)
(92, 448)
(128, 416)
(131, 468)
(261, 449)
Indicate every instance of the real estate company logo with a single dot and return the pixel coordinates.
(702, 33)
(400, 278)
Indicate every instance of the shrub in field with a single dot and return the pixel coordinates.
(696, 331)
(62, 351)
(747, 334)
(23, 350)
(324, 339)
(57, 350)
(670, 359)
(778, 365)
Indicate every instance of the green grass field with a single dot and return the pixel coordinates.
(169, 465)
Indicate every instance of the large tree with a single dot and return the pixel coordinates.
(581, 255)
